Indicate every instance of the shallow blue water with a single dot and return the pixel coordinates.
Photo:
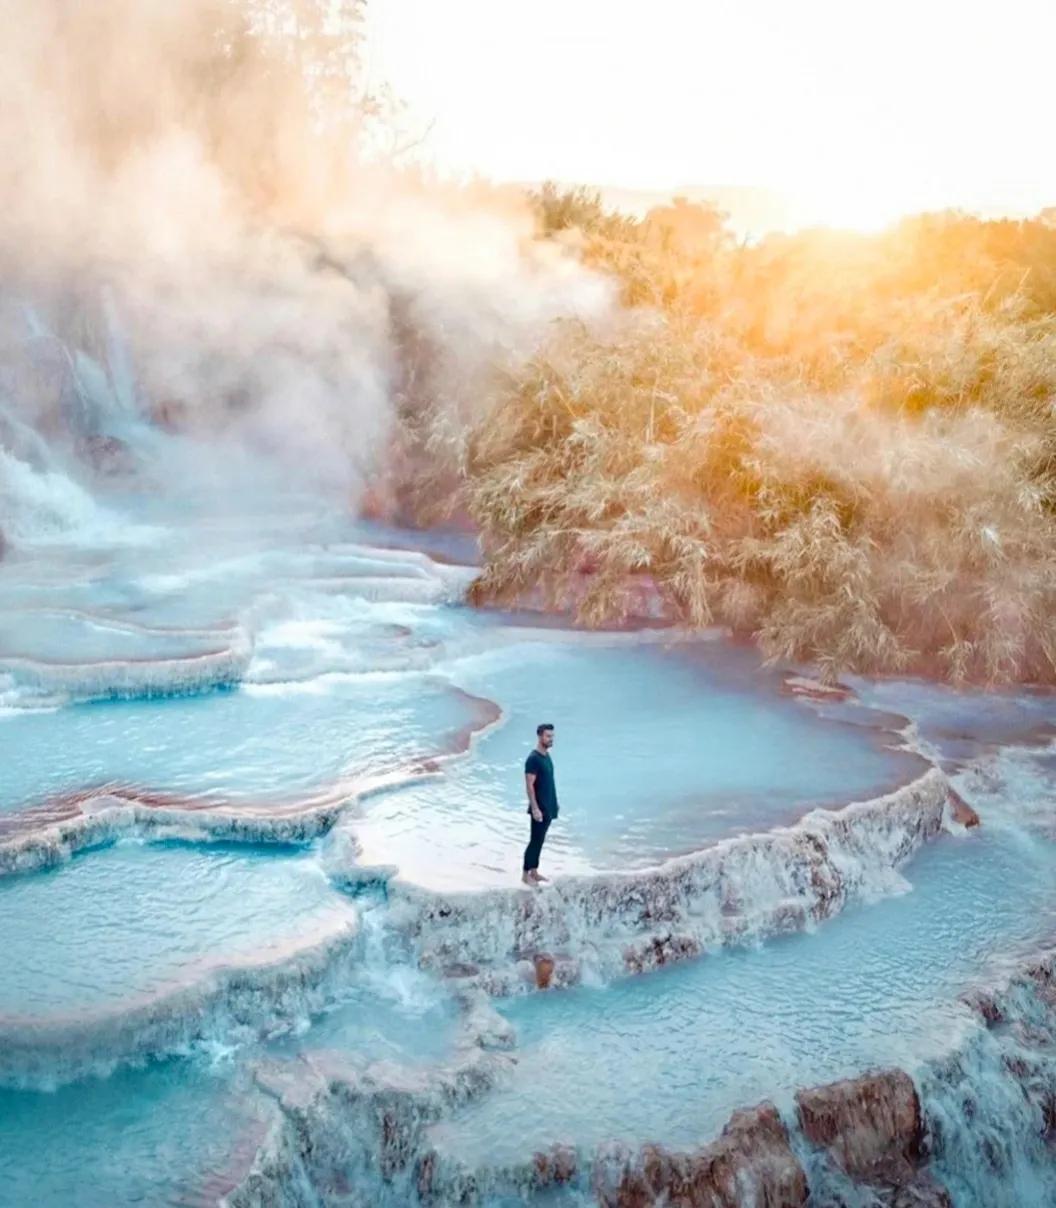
(389, 1013)
(184, 1132)
(659, 750)
(135, 921)
(353, 668)
(67, 637)
(174, 1134)
(263, 741)
(959, 723)
(669, 1056)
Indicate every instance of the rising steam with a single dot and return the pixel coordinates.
(193, 227)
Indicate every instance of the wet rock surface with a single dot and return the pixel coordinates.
(923, 1192)
(861, 1141)
(559, 1164)
(107, 455)
(347, 1125)
(544, 971)
(641, 921)
(814, 689)
(962, 812)
(660, 950)
(751, 1163)
(872, 1126)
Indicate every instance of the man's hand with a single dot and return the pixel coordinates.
(533, 805)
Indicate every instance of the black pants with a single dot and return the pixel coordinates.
(535, 844)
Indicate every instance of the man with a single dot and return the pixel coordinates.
(542, 800)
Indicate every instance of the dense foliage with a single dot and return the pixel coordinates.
(844, 445)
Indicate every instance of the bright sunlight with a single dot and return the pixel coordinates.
(854, 114)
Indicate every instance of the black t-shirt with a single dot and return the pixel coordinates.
(545, 792)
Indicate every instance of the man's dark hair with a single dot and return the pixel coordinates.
(547, 725)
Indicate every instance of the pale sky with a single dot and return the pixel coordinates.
(859, 110)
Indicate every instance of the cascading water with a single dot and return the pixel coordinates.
(43, 506)
(264, 940)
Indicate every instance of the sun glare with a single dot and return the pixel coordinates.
(853, 206)
(854, 118)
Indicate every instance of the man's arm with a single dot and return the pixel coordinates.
(533, 805)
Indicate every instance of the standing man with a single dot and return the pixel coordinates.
(542, 800)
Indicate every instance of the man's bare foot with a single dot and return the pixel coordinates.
(528, 879)
(539, 876)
